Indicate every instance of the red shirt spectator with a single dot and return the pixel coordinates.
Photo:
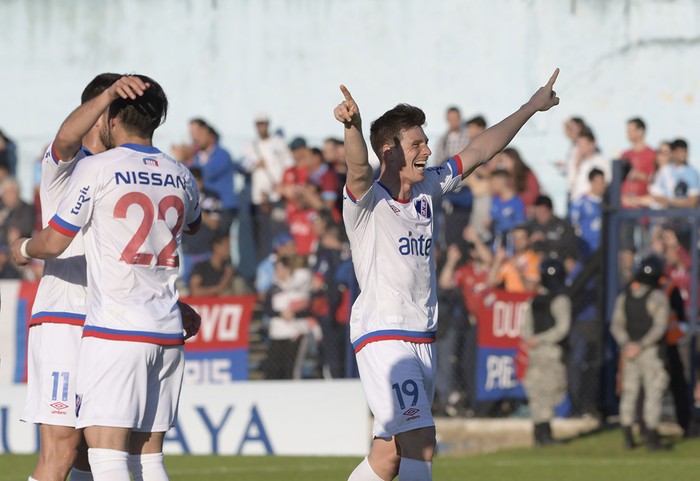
(642, 160)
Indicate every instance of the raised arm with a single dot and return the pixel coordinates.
(496, 138)
(69, 138)
(360, 173)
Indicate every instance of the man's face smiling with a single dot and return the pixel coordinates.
(415, 151)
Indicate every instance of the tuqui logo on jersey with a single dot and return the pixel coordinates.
(415, 246)
(81, 200)
(150, 161)
(423, 208)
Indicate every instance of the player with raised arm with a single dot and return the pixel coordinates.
(58, 313)
(132, 204)
(390, 227)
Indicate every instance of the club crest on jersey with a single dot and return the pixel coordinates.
(423, 208)
(150, 161)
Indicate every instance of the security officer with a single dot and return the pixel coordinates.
(639, 326)
(545, 327)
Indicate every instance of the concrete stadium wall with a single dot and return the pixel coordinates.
(228, 60)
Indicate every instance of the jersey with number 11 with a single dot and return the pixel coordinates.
(132, 204)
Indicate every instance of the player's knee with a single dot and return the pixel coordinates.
(418, 444)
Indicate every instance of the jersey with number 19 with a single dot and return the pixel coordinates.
(132, 203)
(392, 253)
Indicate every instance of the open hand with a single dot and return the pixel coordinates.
(347, 111)
(127, 87)
(545, 98)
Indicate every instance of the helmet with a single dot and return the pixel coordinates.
(649, 270)
(552, 274)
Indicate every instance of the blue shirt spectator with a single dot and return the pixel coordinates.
(586, 217)
(507, 208)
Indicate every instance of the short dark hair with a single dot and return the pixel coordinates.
(578, 121)
(144, 114)
(639, 123)
(479, 121)
(524, 227)
(545, 201)
(385, 130)
(453, 108)
(595, 173)
(335, 141)
(98, 85)
(587, 133)
(679, 144)
(199, 121)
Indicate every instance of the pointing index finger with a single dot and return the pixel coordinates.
(346, 93)
(553, 78)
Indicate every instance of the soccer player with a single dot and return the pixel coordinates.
(58, 314)
(389, 224)
(132, 204)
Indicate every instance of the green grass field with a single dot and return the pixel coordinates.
(598, 457)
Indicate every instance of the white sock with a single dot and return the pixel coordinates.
(147, 467)
(108, 465)
(364, 472)
(80, 475)
(31, 479)
(415, 470)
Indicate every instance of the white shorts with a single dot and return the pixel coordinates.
(51, 374)
(398, 378)
(127, 384)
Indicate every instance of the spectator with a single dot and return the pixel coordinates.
(587, 158)
(326, 183)
(283, 245)
(197, 248)
(641, 159)
(8, 154)
(453, 327)
(328, 293)
(266, 158)
(663, 157)
(507, 208)
(217, 170)
(287, 305)
(523, 178)
(572, 129)
(677, 184)
(551, 236)
(216, 276)
(519, 272)
(475, 126)
(479, 183)
(453, 141)
(587, 215)
(16, 216)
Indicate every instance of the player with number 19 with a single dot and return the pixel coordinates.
(132, 204)
(390, 227)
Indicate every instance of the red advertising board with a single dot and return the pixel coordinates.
(225, 322)
(499, 318)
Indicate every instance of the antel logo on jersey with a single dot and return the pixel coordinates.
(423, 208)
(81, 200)
(415, 246)
(59, 408)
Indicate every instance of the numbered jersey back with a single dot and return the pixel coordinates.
(133, 203)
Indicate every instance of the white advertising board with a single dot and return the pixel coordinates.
(313, 417)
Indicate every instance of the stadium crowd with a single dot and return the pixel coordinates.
(272, 226)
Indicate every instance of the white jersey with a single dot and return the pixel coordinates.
(392, 252)
(131, 203)
(61, 297)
